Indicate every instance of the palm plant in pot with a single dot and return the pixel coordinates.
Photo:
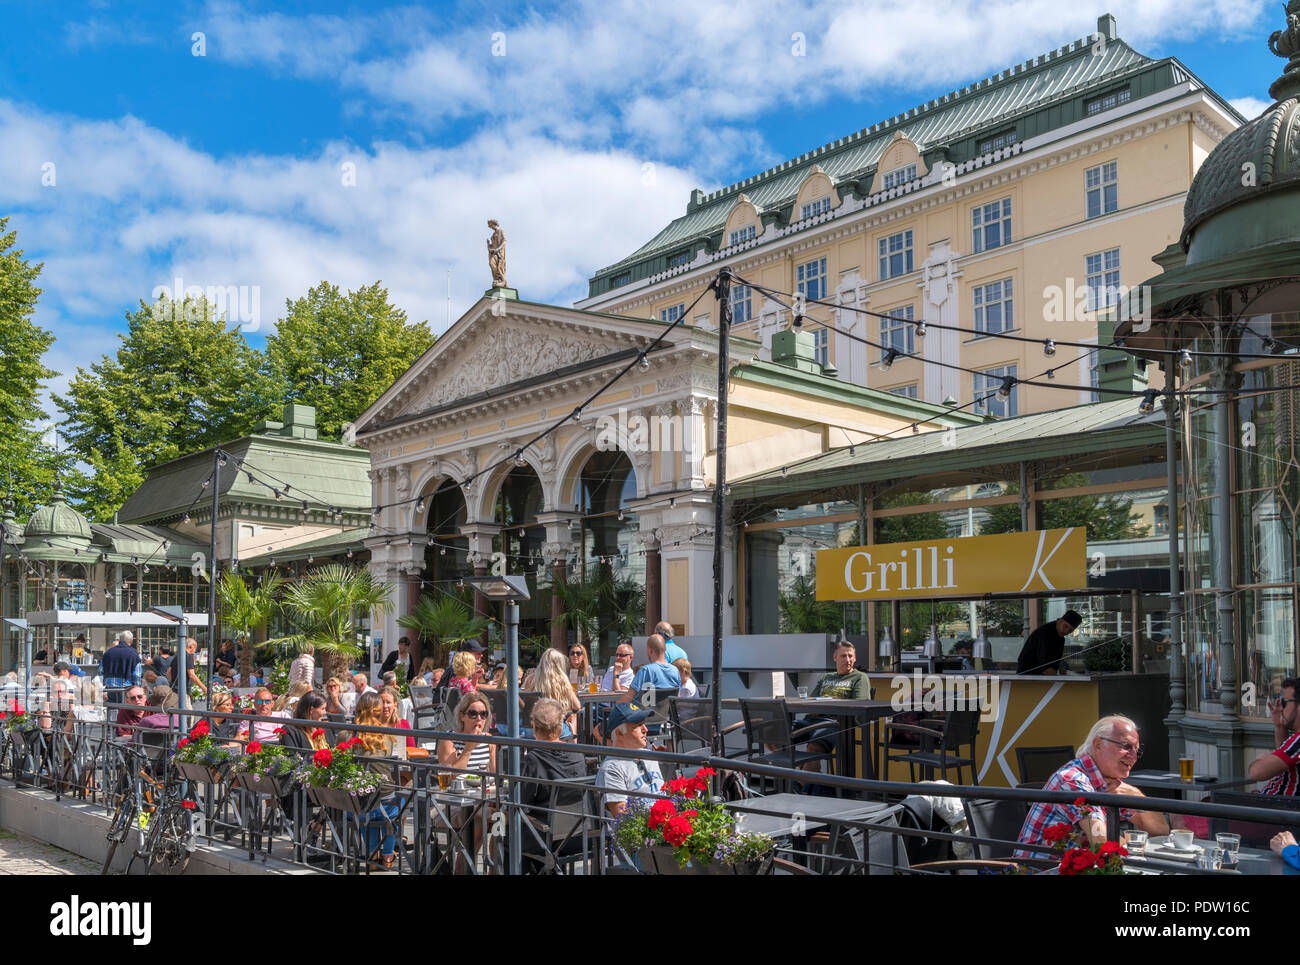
(324, 607)
(443, 623)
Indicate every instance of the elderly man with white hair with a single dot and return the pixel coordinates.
(1105, 758)
(618, 775)
(121, 668)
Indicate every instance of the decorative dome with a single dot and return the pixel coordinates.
(1258, 159)
(58, 519)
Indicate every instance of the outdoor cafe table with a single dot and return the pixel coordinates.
(590, 702)
(850, 714)
(1250, 861)
(797, 815)
(1168, 783)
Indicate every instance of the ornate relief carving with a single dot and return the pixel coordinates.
(937, 274)
(403, 481)
(512, 353)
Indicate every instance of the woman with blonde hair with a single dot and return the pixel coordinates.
(688, 688)
(379, 822)
(552, 680)
(370, 713)
(333, 691)
(579, 669)
(289, 699)
(391, 700)
(463, 666)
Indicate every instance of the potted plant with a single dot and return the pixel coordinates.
(1078, 856)
(442, 624)
(200, 758)
(324, 606)
(690, 833)
(266, 769)
(336, 779)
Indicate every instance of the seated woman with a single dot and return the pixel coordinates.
(227, 732)
(427, 666)
(333, 691)
(688, 688)
(552, 681)
(391, 701)
(370, 713)
(289, 699)
(474, 716)
(463, 669)
(580, 672)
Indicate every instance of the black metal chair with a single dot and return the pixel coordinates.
(958, 730)
(568, 833)
(999, 820)
(1038, 764)
(770, 737)
(692, 720)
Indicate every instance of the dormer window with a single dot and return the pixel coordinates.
(1005, 139)
(741, 235)
(679, 259)
(1108, 101)
(814, 208)
(618, 281)
(900, 176)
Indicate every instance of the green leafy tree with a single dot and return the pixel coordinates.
(443, 623)
(913, 528)
(802, 612)
(246, 609)
(182, 380)
(1105, 517)
(324, 607)
(583, 597)
(28, 463)
(340, 352)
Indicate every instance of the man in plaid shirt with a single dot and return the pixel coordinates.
(1279, 767)
(1105, 759)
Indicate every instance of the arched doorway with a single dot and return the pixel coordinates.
(606, 486)
(518, 503)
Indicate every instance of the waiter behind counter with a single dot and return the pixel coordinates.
(1045, 647)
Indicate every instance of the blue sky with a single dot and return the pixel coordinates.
(357, 142)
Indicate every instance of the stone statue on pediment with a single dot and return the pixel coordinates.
(496, 246)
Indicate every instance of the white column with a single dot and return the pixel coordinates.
(940, 304)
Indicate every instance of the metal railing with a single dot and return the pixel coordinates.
(437, 824)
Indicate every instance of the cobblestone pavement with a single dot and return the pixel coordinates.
(20, 855)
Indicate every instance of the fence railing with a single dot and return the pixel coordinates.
(437, 819)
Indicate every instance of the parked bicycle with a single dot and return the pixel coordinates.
(152, 805)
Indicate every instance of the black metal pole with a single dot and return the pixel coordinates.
(212, 568)
(722, 289)
(512, 728)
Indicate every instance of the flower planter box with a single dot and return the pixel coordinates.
(263, 784)
(661, 860)
(199, 773)
(341, 799)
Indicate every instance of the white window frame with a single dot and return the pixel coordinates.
(906, 391)
(822, 346)
(742, 304)
(987, 383)
(679, 260)
(996, 143)
(888, 252)
(896, 333)
(999, 295)
(1109, 101)
(1101, 183)
(1101, 273)
(992, 219)
(673, 313)
(900, 176)
(815, 207)
(811, 280)
(748, 233)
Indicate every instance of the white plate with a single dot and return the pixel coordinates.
(1171, 847)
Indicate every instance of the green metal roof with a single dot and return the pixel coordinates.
(1080, 429)
(326, 474)
(1043, 94)
(335, 543)
(58, 519)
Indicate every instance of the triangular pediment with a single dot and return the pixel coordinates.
(486, 352)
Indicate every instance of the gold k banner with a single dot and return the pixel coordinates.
(1049, 559)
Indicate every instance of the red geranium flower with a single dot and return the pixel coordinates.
(1109, 848)
(278, 730)
(199, 730)
(1056, 832)
(2, 715)
(1080, 802)
(254, 747)
(677, 830)
(318, 733)
(188, 805)
(660, 813)
(323, 757)
(184, 741)
(704, 772)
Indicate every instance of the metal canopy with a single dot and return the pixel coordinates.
(127, 619)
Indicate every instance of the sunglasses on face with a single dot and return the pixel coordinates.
(262, 702)
(1125, 747)
(477, 714)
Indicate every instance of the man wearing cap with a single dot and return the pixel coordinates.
(619, 775)
(1045, 647)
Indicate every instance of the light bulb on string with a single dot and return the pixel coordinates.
(1148, 403)
(1049, 347)
(1051, 374)
(643, 363)
(419, 505)
(1184, 358)
(920, 329)
(1004, 390)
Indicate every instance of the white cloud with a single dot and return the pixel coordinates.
(1250, 107)
(655, 78)
(134, 208)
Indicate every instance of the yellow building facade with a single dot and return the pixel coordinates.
(1022, 205)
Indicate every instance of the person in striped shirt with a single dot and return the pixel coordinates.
(1279, 767)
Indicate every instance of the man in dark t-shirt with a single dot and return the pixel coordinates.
(1044, 648)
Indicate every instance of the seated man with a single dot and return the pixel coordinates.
(656, 673)
(620, 774)
(264, 731)
(557, 762)
(1279, 767)
(846, 682)
(1105, 759)
(130, 716)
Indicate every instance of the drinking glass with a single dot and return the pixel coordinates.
(1231, 845)
(593, 687)
(1137, 843)
(1210, 859)
(803, 693)
(1186, 769)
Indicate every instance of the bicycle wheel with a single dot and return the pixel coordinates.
(117, 829)
(168, 843)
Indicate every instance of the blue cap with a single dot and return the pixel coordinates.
(628, 713)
